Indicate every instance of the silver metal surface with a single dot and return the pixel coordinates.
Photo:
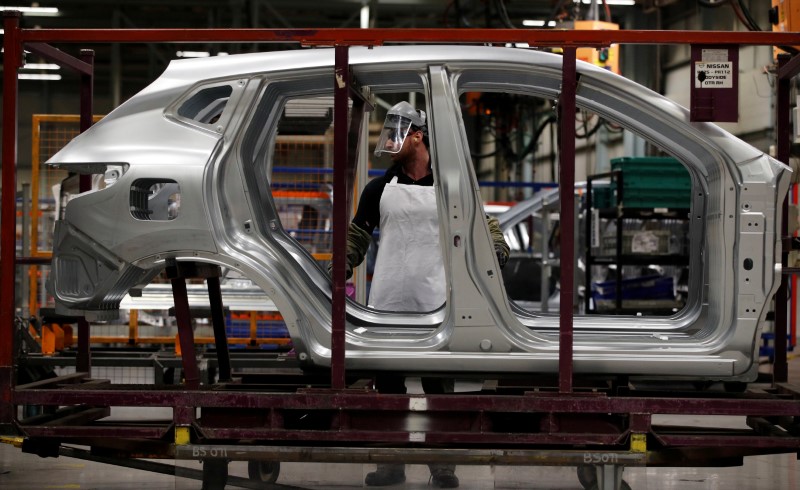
(222, 162)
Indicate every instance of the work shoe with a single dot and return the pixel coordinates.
(444, 479)
(385, 476)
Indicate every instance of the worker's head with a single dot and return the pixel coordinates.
(401, 121)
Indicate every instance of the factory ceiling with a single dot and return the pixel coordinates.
(135, 64)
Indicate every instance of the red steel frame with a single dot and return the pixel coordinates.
(345, 404)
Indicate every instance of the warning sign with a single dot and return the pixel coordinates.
(713, 75)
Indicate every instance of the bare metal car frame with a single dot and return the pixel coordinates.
(619, 425)
(102, 250)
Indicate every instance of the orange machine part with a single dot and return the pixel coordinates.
(607, 57)
(788, 16)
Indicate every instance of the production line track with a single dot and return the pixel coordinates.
(283, 414)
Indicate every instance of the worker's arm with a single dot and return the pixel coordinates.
(501, 248)
(359, 234)
(357, 245)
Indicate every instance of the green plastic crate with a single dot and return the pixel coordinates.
(654, 182)
(603, 196)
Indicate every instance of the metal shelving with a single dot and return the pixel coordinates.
(619, 214)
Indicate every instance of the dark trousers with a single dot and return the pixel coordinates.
(431, 386)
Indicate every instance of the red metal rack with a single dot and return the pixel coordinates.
(540, 422)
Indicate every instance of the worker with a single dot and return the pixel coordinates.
(409, 274)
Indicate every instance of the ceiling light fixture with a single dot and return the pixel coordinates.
(197, 54)
(537, 23)
(35, 11)
(626, 3)
(41, 66)
(193, 54)
(39, 76)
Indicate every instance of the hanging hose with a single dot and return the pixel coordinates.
(607, 11)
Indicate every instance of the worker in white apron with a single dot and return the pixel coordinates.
(409, 273)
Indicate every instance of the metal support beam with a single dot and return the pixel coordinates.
(86, 110)
(341, 92)
(566, 109)
(218, 322)
(183, 317)
(780, 368)
(84, 360)
(377, 37)
(61, 58)
(12, 60)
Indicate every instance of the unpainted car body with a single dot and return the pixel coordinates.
(171, 134)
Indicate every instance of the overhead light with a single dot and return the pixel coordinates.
(35, 11)
(609, 2)
(39, 76)
(197, 54)
(41, 66)
(537, 23)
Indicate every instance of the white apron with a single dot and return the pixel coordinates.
(409, 274)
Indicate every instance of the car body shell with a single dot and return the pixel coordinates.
(228, 217)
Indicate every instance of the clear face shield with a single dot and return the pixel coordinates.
(395, 130)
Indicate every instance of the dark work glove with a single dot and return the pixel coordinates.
(502, 256)
(357, 244)
(500, 246)
(348, 269)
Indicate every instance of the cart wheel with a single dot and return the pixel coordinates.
(587, 475)
(735, 386)
(215, 474)
(265, 471)
(622, 486)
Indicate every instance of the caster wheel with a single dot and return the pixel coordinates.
(587, 475)
(735, 386)
(264, 471)
(622, 486)
(215, 474)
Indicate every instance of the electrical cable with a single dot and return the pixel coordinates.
(503, 143)
(503, 13)
(607, 10)
(589, 132)
(751, 22)
(556, 9)
(739, 14)
(611, 127)
(743, 13)
(712, 4)
(461, 20)
(446, 13)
